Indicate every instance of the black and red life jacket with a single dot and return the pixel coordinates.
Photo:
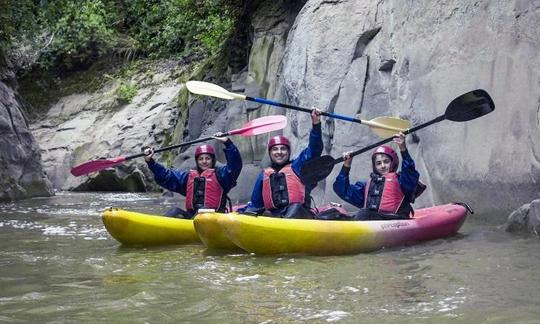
(203, 190)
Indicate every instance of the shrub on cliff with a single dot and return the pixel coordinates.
(71, 34)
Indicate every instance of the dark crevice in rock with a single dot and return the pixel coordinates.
(364, 40)
(326, 2)
(156, 105)
(538, 113)
(330, 124)
(377, 10)
(330, 127)
(13, 127)
(62, 148)
(65, 129)
(366, 79)
(405, 69)
(387, 65)
(265, 85)
(108, 180)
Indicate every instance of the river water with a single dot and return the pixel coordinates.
(59, 264)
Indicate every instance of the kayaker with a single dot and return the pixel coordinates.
(388, 194)
(204, 187)
(278, 188)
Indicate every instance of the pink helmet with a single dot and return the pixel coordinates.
(278, 140)
(390, 153)
(205, 149)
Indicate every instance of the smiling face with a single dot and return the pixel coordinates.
(204, 161)
(279, 154)
(382, 163)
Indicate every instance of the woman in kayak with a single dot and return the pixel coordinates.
(204, 187)
(278, 188)
(387, 194)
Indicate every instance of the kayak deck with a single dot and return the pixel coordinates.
(132, 228)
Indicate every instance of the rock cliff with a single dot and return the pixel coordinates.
(21, 174)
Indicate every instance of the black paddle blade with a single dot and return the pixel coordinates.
(317, 169)
(469, 106)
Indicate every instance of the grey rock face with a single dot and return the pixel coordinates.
(90, 126)
(525, 220)
(21, 174)
(333, 60)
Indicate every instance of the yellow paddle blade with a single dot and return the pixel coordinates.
(388, 126)
(212, 90)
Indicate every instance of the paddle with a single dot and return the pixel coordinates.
(255, 127)
(466, 107)
(382, 126)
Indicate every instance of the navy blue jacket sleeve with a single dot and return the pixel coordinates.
(353, 194)
(228, 174)
(314, 149)
(170, 179)
(256, 195)
(408, 177)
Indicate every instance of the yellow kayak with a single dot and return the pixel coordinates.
(131, 228)
(210, 232)
(213, 236)
(268, 235)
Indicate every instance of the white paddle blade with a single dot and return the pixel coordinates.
(385, 127)
(212, 90)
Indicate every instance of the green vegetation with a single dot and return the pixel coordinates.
(70, 34)
(126, 92)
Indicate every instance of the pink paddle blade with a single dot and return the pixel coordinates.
(261, 125)
(96, 165)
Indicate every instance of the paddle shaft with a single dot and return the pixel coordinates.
(324, 113)
(173, 147)
(381, 142)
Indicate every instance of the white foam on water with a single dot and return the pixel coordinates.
(74, 229)
(248, 278)
(324, 314)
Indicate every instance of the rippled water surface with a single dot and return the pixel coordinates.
(59, 264)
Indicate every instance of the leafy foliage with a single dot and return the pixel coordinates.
(71, 33)
(178, 27)
(126, 92)
(80, 30)
(15, 17)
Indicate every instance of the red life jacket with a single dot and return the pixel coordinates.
(282, 188)
(204, 190)
(383, 194)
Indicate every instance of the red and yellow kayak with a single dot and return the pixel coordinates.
(132, 228)
(268, 235)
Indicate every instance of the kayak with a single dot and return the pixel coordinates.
(268, 235)
(213, 236)
(132, 228)
(210, 232)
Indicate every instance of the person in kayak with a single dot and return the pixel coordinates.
(204, 187)
(278, 188)
(387, 194)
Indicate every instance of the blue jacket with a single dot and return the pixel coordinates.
(314, 150)
(354, 193)
(176, 181)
